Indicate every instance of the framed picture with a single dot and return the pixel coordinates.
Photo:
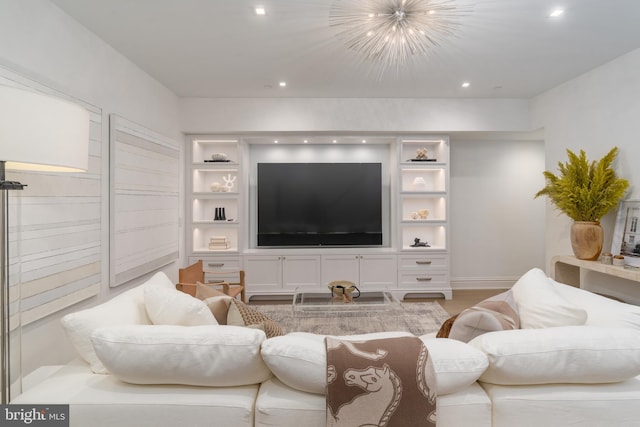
(626, 235)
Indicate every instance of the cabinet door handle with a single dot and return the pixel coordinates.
(423, 279)
(215, 264)
(423, 262)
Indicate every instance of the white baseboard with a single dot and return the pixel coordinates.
(482, 282)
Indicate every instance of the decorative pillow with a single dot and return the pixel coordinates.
(567, 354)
(540, 305)
(219, 306)
(204, 292)
(125, 309)
(498, 313)
(212, 356)
(240, 314)
(168, 306)
(445, 328)
(299, 360)
(457, 364)
(601, 311)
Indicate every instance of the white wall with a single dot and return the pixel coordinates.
(205, 115)
(41, 42)
(594, 112)
(497, 228)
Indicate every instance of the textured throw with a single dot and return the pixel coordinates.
(383, 382)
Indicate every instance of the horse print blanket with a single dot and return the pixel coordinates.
(383, 382)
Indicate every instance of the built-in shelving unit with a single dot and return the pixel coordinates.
(418, 186)
(215, 187)
(423, 203)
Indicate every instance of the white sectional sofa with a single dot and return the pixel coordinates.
(152, 358)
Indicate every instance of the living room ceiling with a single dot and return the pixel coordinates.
(221, 48)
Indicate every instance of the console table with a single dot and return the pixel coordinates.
(616, 281)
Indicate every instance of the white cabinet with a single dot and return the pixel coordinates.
(215, 189)
(278, 274)
(426, 273)
(368, 272)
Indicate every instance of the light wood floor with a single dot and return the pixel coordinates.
(462, 299)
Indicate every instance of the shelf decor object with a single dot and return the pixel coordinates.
(37, 133)
(392, 32)
(585, 191)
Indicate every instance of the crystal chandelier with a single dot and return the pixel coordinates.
(391, 32)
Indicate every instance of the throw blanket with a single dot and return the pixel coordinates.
(383, 382)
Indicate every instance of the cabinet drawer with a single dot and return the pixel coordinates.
(423, 262)
(218, 263)
(423, 280)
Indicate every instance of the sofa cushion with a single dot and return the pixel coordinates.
(240, 314)
(125, 309)
(540, 305)
(567, 354)
(601, 311)
(211, 355)
(168, 306)
(299, 360)
(498, 313)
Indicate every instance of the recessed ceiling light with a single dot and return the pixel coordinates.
(260, 10)
(283, 84)
(335, 141)
(305, 141)
(275, 141)
(364, 141)
(555, 13)
(466, 84)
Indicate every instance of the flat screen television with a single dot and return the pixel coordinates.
(319, 204)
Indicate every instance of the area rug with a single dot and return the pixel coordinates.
(418, 318)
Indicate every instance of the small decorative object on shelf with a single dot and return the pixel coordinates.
(618, 261)
(607, 259)
(421, 156)
(229, 182)
(216, 187)
(221, 157)
(418, 244)
(219, 243)
(220, 214)
(415, 215)
(419, 183)
(423, 213)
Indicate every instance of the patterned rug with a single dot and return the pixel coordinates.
(416, 317)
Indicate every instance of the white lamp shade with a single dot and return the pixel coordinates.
(43, 133)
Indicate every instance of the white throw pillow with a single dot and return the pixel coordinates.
(567, 354)
(299, 360)
(168, 306)
(540, 305)
(601, 311)
(125, 309)
(213, 355)
(457, 364)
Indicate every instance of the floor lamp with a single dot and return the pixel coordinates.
(37, 133)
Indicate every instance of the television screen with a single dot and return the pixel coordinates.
(319, 204)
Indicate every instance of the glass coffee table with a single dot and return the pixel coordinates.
(315, 303)
(322, 313)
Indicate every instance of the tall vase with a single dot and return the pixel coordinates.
(586, 240)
